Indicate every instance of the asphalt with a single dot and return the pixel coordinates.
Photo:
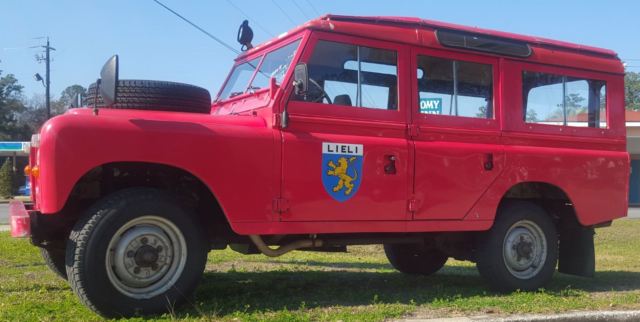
(4, 214)
(562, 317)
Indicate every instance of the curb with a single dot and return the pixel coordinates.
(561, 317)
(5, 228)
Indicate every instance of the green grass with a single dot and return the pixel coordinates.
(355, 286)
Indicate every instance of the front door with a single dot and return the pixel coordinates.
(345, 152)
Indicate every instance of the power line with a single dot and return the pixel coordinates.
(312, 7)
(283, 12)
(199, 28)
(300, 9)
(252, 20)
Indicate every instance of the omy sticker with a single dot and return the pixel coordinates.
(341, 169)
(431, 105)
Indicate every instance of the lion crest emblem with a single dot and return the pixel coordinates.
(341, 169)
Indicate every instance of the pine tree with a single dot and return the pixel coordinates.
(6, 179)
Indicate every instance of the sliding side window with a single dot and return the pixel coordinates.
(563, 100)
(455, 88)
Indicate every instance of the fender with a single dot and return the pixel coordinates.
(588, 177)
(232, 155)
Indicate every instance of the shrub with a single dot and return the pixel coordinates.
(6, 179)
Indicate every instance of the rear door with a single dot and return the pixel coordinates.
(456, 131)
(346, 155)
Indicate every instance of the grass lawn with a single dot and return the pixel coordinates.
(355, 286)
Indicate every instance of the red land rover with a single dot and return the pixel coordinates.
(436, 140)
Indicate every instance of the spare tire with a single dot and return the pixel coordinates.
(154, 95)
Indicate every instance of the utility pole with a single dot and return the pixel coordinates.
(47, 85)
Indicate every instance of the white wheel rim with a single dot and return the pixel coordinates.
(524, 249)
(146, 256)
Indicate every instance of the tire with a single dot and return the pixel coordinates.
(520, 252)
(54, 258)
(155, 96)
(135, 252)
(415, 259)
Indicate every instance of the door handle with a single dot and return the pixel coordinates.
(488, 161)
(390, 164)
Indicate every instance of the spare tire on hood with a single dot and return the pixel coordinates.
(154, 95)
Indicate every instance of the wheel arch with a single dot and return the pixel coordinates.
(576, 246)
(107, 178)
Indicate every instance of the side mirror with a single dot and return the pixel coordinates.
(300, 79)
(109, 81)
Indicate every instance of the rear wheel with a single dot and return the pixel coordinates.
(136, 252)
(414, 258)
(54, 258)
(521, 249)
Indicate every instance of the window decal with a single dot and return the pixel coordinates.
(431, 106)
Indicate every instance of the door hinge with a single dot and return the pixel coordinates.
(280, 205)
(412, 205)
(413, 130)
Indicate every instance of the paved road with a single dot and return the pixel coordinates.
(4, 213)
(634, 213)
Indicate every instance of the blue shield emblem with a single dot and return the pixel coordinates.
(341, 169)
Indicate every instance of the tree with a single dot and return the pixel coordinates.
(67, 97)
(10, 107)
(632, 90)
(6, 179)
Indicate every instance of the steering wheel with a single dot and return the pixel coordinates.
(324, 94)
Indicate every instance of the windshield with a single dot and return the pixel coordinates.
(275, 64)
(240, 77)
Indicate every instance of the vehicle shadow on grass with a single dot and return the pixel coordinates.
(225, 293)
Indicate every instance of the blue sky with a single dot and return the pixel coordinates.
(153, 44)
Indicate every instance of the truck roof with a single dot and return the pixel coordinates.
(433, 24)
(390, 28)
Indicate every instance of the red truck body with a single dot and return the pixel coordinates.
(520, 170)
(253, 167)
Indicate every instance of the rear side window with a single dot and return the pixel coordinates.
(564, 100)
(455, 88)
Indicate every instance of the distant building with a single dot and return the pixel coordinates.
(633, 146)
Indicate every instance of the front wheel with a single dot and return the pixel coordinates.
(135, 252)
(521, 249)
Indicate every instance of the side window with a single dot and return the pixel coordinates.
(456, 88)
(563, 100)
(349, 75)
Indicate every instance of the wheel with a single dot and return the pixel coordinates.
(54, 258)
(415, 259)
(521, 249)
(155, 95)
(136, 252)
